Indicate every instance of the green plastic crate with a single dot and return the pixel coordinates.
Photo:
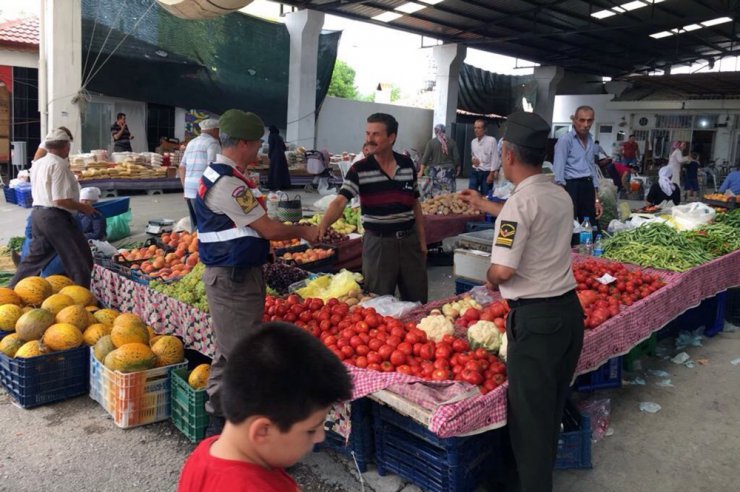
(188, 407)
(646, 347)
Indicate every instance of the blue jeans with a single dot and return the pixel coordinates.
(478, 181)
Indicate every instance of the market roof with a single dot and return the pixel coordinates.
(20, 33)
(604, 37)
(713, 85)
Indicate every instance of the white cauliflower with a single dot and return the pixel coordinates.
(503, 347)
(436, 326)
(484, 334)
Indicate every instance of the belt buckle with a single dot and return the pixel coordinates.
(400, 234)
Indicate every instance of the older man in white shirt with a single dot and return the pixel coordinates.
(484, 158)
(56, 200)
(200, 152)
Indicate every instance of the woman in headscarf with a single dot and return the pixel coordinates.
(664, 189)
(442, 160)
(279, 177)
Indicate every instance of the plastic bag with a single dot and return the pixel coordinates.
(183, 225)
(599, 411)
(117, 227)
(504, 190)
(692, 215)
(608, 197)
(323, 203)
(102, 248)
(390, 306)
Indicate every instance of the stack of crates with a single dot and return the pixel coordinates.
(47, 378)
(23, 196)
(574, 443)
(188, 407)
(361, 445)
(10, 195)
(135, 398)
(607, 376)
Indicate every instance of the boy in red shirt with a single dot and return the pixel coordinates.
(278, 386)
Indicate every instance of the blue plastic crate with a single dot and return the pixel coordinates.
(47, 378)
(113, 207)
(23, 196)
(709, 314)
(10, 195)
(574, 443)
(361, 442)
(463, 285)
(434, 464)
(478, 226)
(605, 377)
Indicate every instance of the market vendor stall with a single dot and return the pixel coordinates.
(439, 227)
(149, 184)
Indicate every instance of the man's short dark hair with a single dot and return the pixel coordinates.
(120, 115)
(631, 136)
(283, 373)
(583, 108)
(55, 144)
(525, 155)
(391, 125)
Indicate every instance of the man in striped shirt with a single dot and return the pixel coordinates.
(394, 246)
(200, 152)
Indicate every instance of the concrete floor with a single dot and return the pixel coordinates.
(691, 444)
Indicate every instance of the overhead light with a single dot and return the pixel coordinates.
(431, 2)
(618, 10)
(662, 34)
(410, 8)
(387, 16)
(633, 5)
(691, 27)
(603, 14)
(625, 7)
(714, 22)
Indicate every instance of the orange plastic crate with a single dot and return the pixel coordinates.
(132, 399)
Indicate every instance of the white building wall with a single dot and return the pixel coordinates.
(341, 125)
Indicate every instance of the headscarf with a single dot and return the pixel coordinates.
(664, 180)
(439, 132)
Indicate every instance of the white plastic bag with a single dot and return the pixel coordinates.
(390, 306)
(323, 203)
(692, 215)
(504, 190)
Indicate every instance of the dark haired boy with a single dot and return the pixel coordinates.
(277, 387)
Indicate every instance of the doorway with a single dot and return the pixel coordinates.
(702, 142)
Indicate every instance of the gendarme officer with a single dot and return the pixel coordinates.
(531, 265)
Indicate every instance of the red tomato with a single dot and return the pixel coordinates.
(463, 358)
(460, 345)
(362, 327)
(481, 353)
(374, 343)
(374, 367)
(385, 352)
(441, 375)
(404, 369)
(386, 366)
(293, 299)
(393, 341)
(490, 384)
(472, 377)
(348, 351)
(405, 347)
(399, 332)
(427, 351)
(441, 364)
(471, 314)
(499, 379)
(374, 358)
(362, 349)
(398, 358)
(472, 365)
(361, 362)
(443, 350)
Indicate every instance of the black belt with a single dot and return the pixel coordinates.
(47, 208)
(585, 178)
(393, 234)
(540, 300)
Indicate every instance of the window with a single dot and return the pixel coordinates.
(605, 129)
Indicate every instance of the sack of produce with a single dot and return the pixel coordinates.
(289, 210)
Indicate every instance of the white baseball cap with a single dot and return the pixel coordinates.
(209, 124)
(57, 135)
(91, 193)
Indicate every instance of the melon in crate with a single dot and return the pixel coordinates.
(169, 350)
(33, 324)
(106, 316)
(75, 315)
(128, 328)
(8, 296)
(81, 295)
(62, 336)
(56, 302)
(33, 290)
(10, 344)
(9, 315)
(131, 357)
(58, 282)
(29, 349)
(95, 332)
(198, 378)
(103, 347)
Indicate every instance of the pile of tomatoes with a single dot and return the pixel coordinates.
(602, 301)
(363, 338)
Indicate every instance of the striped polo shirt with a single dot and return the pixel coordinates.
(386, 204)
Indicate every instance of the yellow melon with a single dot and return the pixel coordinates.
(91, 309)
(58, 282)
(103, 347)
(10, 344)
(33, 324)
(29, 349)
(198, 378)
(9, 314)
(8, 296)
(169, 350)
(154, 339)
(33, 290)
(56, 302)
(132, 357)
(75, 315)
(129, 333)
(127, 319)
(95, 332)
(81, 295)
(62, 336)
(106, 316)
(27, 309)
(110, 360)
(151, 332)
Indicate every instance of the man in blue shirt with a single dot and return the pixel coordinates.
(732, 182)
(574, 166)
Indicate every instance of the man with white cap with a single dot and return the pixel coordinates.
(56, 200)
(200, 152)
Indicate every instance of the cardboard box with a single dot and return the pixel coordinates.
(471, 264)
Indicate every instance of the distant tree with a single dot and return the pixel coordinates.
(395, 93)
(343, 81)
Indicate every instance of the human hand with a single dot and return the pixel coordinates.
(599, 209)
(458, 171)
(475, 161)
(471, 197)
(310, 233)
(423, 248)
(491, 177)
(86, 209)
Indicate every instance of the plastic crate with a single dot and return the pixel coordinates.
(361, 443)
(574, 443)
(188, 407)
(135, 398)
(605, 377)
(23, 197)
(434, 464)
(646, 347)
(463, 285)
(47, 378)
(478, 226)
(314, 266)
(10, 195)
(113, 207)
